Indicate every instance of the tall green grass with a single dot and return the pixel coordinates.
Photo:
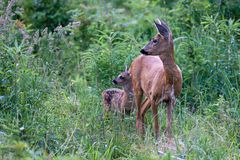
(50, 83)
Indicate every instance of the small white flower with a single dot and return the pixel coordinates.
(22, 128)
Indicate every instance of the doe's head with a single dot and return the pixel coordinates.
(123, 78)
(161, 42)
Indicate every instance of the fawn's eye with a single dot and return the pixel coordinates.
(154, 41)
(121, 77)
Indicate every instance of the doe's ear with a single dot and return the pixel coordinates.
(162, 28)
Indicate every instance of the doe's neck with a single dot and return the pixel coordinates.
(169, 64)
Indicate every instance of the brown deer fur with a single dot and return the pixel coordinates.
(120, 100)
(159, 79)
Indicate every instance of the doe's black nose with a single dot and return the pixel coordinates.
(143, 52)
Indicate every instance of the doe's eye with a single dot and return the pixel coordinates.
(154, 41)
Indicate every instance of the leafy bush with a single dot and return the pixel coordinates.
(51, 78)
(41, 13)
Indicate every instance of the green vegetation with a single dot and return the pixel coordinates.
(51, 78)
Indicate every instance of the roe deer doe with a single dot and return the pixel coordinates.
(118, 100)
(160, 80)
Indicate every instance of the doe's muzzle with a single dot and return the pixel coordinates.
(144, 52)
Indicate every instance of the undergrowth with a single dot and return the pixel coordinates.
(51, 79)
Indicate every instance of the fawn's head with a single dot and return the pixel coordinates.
(122, 79)
(161, 42)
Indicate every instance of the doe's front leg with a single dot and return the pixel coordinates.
(138, 101)
(155, 118)
(170, 105)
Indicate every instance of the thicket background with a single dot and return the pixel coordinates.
(57, 56)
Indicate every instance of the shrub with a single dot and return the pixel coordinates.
(41, 14)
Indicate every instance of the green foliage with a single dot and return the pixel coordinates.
(51, 78)
(206, 53)
(189, 13)
(44, 13)
(228, 8)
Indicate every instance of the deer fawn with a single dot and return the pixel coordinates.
(118, 100)
(159, 79)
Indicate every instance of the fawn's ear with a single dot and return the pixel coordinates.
(162, 28)
(126, 68)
